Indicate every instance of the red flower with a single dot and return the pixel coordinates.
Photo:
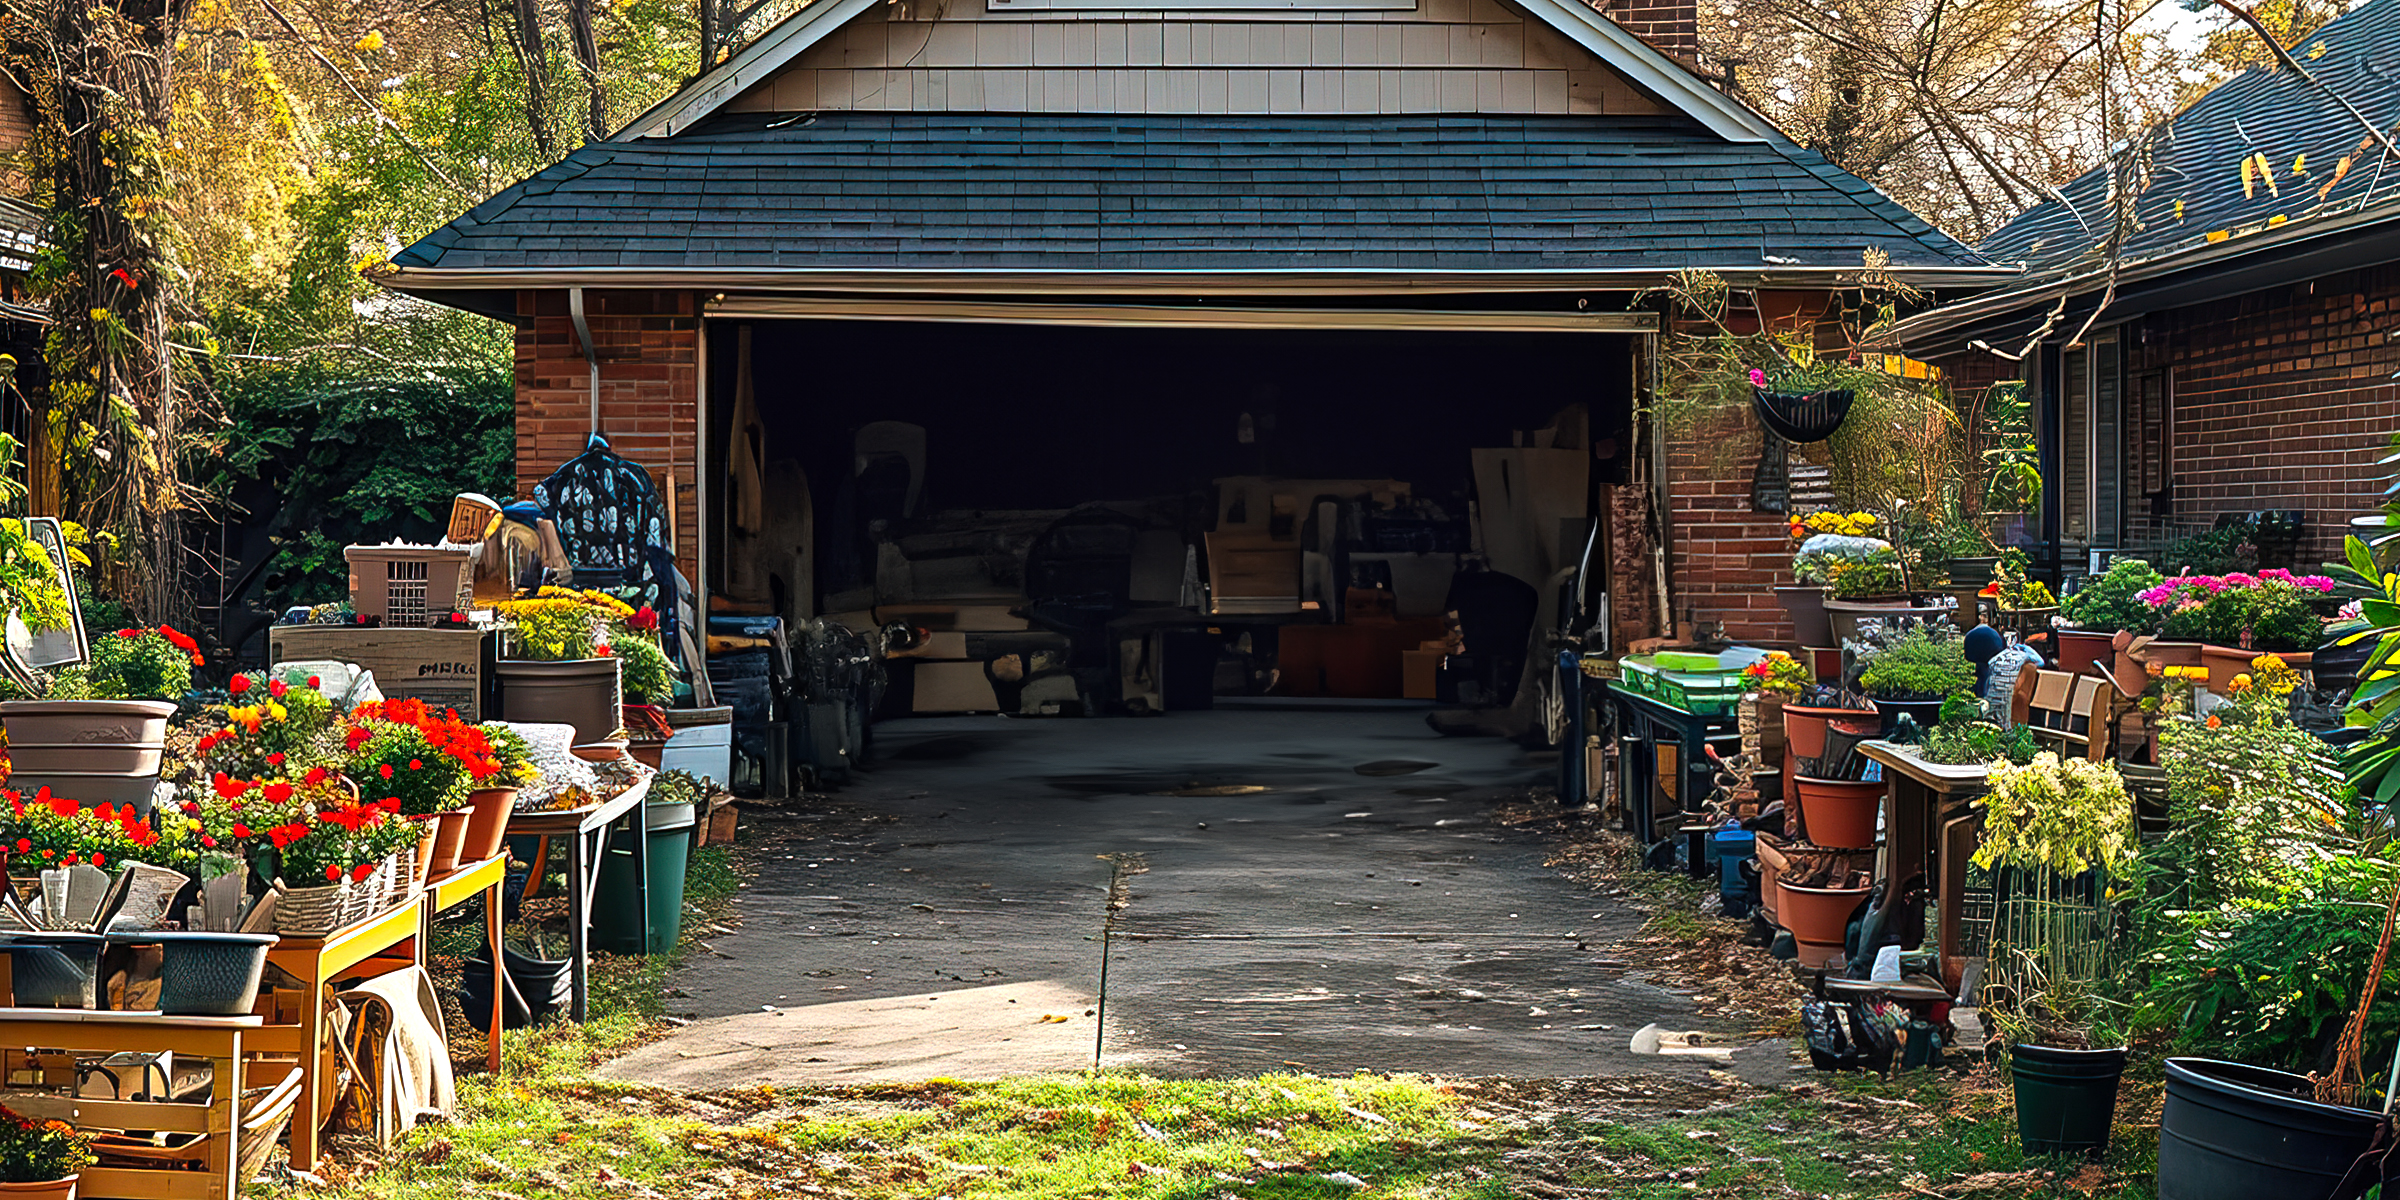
(129, 633)
(99, 859)
(416, 764)
(191, 808)
(385, 770)
(240, 830)
(333, 874)
(315, 776)
(644, 618)
(240, 684)
(49, 854)
(277, 687)
(277, 793)
(275, 759)
(24, 845)
(208, 841)
(314, 682)
(61, 805)
(357, 737)
(391, 803)
(361, 871)
(228, 787)
(605, 651)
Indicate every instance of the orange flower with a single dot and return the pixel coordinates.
(2214, 721)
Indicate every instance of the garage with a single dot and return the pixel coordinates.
(1132, 509)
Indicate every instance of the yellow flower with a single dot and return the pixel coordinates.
(2241, 683)
(370, 43)
(2267, 662)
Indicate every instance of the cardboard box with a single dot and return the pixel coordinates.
(1418, 671)
(953, 687)
(445, 668)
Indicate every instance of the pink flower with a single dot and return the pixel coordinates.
(1758, 378)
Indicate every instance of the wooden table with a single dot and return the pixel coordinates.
(1929, 813)
(1643, 722)
(220, 1041)
(448, 892)
(389, 941)
(586, 834)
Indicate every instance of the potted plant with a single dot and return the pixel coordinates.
(1773, 680)
(99, 735)
(2024, 603)
(2238, 616)
(1824, 544)
(2054, 832)
(2105, 606)
(494, 798)
(1913, 670)
(41, 1160)
(560, 666)
(1968, 736)
(399, 766)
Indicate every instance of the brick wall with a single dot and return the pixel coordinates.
(2282, 399)
(1671, 25)
(649, 349)
(16, 125)
(1724, 559)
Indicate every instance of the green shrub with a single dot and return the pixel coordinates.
(649, 675)
(132, 664)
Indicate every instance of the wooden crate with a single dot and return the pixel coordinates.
(445, 668)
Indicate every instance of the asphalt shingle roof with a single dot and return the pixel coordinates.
(1159, 192)
(2196, 160)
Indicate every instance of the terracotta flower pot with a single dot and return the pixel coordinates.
(2079, 650)
(449, 841)
(583, 692)
(419, 865)
(1819, 918)
(1804, 727)
(487, 823)
(2225, 662)
(1839, 814)
(48, 1189)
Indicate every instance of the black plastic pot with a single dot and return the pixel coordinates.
(208, 974)
(1926, 713)
(2235, 1132)
(2066, 1099)
(543, 988)
(56, 970)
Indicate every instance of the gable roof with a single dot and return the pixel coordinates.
(757, 201)
(1639, 62)
(2204, 208)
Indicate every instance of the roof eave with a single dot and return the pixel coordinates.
(1021, 282)
(1940, 330)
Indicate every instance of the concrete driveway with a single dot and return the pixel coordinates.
(1319, 890)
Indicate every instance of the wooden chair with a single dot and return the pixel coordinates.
(2072, 714)
(264, 1112)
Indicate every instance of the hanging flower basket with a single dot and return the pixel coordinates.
(1803, 416)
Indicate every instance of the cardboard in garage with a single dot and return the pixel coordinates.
(952, 687)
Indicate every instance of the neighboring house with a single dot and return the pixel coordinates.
(2247, 335)
(1097, 248)
(21, 227)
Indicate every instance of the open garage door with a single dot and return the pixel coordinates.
(1120, 517)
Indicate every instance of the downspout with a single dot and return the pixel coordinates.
(1647, 379)
(583, 334)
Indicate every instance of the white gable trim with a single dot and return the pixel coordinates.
(1639, 62)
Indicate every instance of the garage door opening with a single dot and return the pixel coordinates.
(1067, 519)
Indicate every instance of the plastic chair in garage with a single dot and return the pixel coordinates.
(610, 517)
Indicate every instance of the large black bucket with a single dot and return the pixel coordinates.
(2066, 1099)
(2235, 1132)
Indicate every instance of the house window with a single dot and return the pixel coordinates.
(2149, 469)
(2092, 436)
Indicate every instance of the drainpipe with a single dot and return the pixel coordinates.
(1647, 379)
(583, 334)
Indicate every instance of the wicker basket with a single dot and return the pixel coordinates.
(313, 911)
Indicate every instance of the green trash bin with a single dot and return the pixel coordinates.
(618, 924)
